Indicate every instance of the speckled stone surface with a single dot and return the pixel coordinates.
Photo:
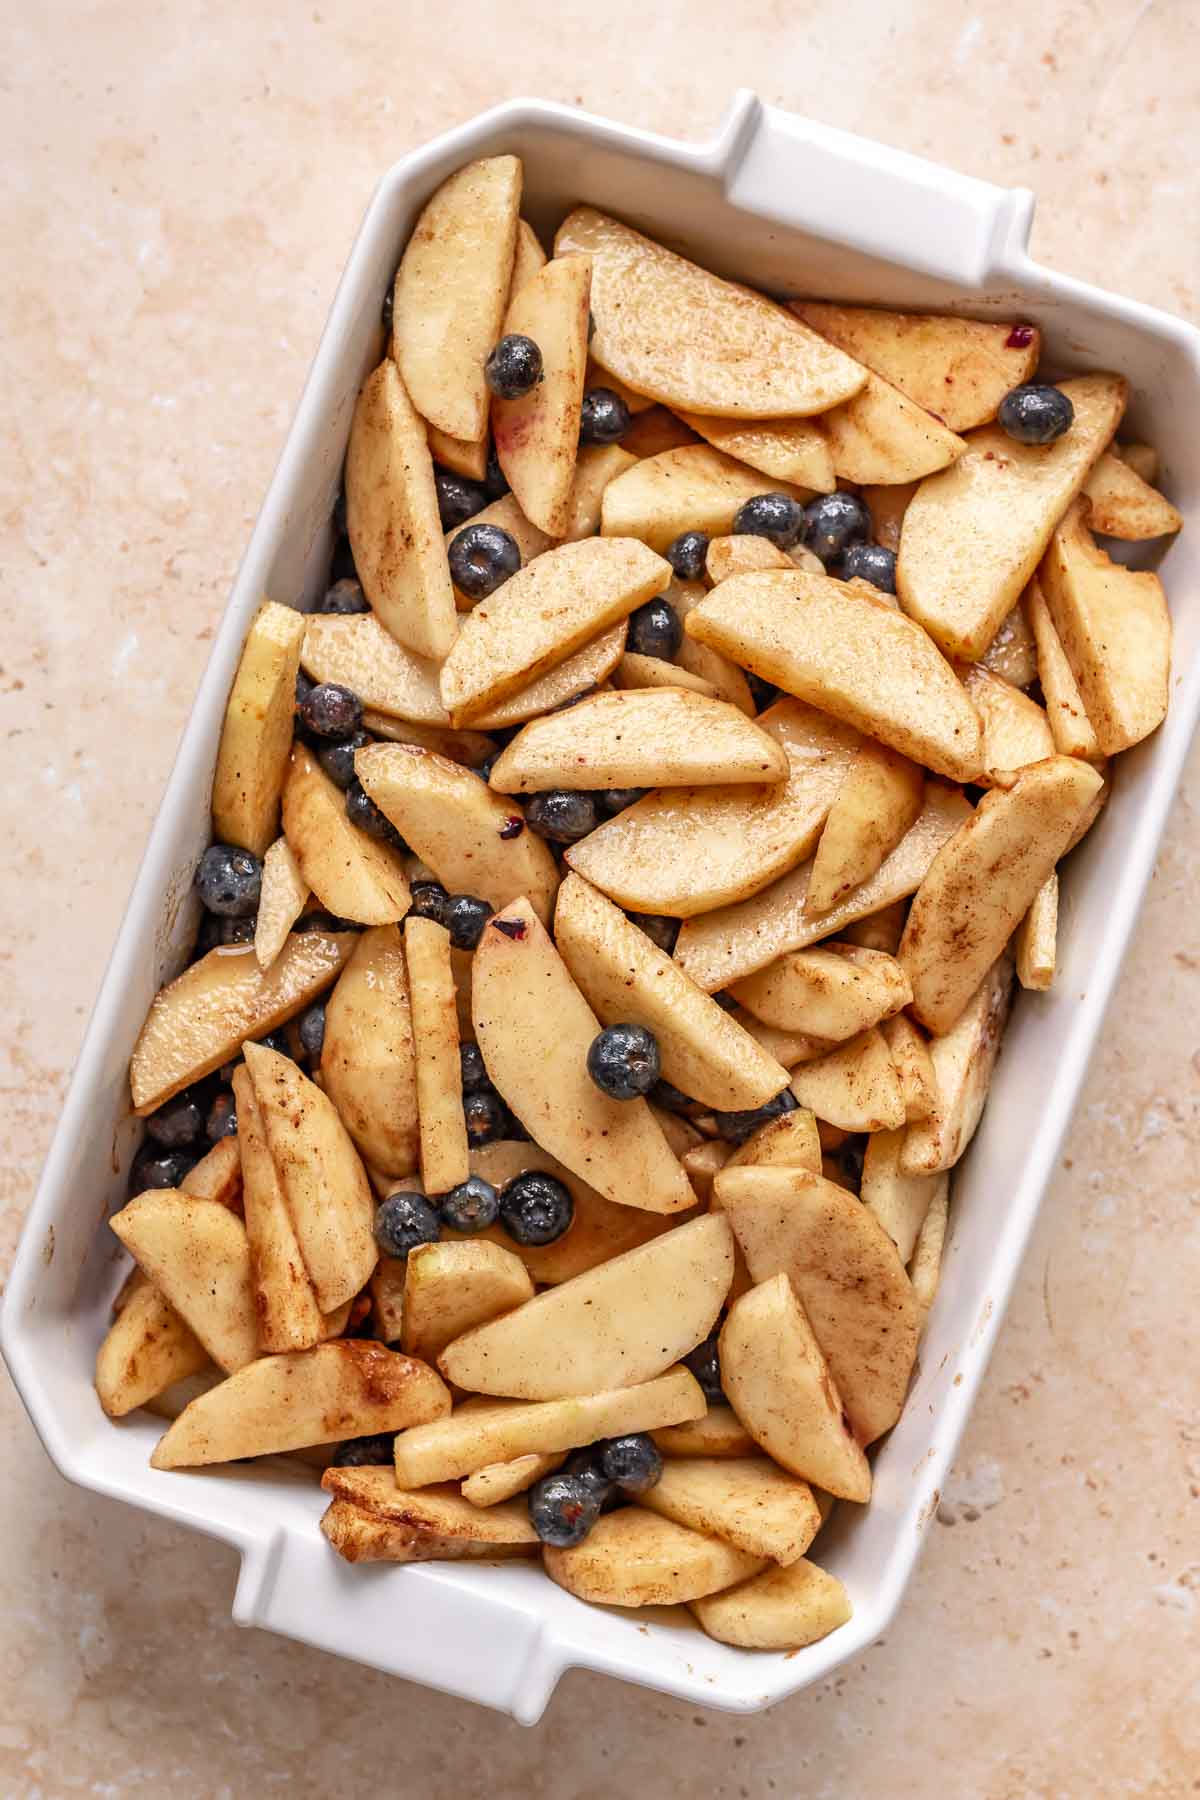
(181, 184)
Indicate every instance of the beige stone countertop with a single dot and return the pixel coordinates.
(181, 185)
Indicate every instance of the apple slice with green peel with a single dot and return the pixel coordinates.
(583, 670)
(633, 672)
(687, 850)
(689, 339)
(780, 1386)
(1070, 726)
(626, 978)
(451, 290)
(440, 1512)
(473, 841)
(744, 1501)
(854, 1086)
(719, 1432)
(257, 733)
(355, 651)
(500, 1481)
(913, 1064)
(1124, 506)
(367, 1059)
(282, 900)
(199, 1020)
(595, 466)
(847, 1276)
(507, 514)
(324, 1184)
(534, 1028)
(196, 1254)
(633, 1558)
(146, 1349)
(789, 1142)
(983, 881)
(698, 659)
(443, 1129)
(793, 451)
(974, 533)
(881, 437)
(832, 991)
(1016, 731)
(347, 1388)
(284, 1303)
(598, 1230)
(392, 517)
(537, 436)
(351, 874)
(781, 1609)
(963, 1060)
(694, 488)
(880, 799)
(481, 1432)
(450, 1288)
(728, 944)
(640, 739)
(853, 655)
(898, 1201)
(1037, 939)
(547, 610)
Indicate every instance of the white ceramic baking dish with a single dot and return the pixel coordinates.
(794, 208)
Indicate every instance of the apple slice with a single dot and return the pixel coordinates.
(392, 517)
(880, 930)
(913, 1065)
(657, 430)
(787, 1047)
(386, 1288)
(957, 369)
(1016, 731)
(854, 1086)
(1070, 726)
(625, 977)
(793, 451)
(633, 1558)
(847, 1277)
(742, 554)
(898, 1201)
(634, 671)
(974, 533)
(879, 801)
(647, 739)
(465, 456)
(1012, 653)
(458, 827)
(599, 377)
(583, 670)
(1125, 506)
(689, 339)
(926, 1266)
(283, 1301)
(887, 503)
(881, 437)
(853, 656)
(547, 610)
(781, 1388)
(283, 898)
(324, 1184)
(488, 1431)
(361, 1536)
(698, 659)
(983, 881)
(780, 1609)
(599, 1229)
(595, 466)
(439, 1512)
(1142, 459)
(505, 513)
(451, 290)
(443, 1129)
(694, 488)
(355, 651)
(537, 436)
(199, 1020)
(744, 1501)
(257, 733)
(1037, 938)
(788, 1142)
(471, 748)
(146, 1349)
(534, 1028)
(718, 1432)
(832, 992)
(196, 1254)
(733, 942)
(351, 874)
(218, 1175)
(499, 1481)
(367, 1060)
(528, 257)
(347, 1388)
(450, 1288)
(608, 1328)
(702, 1162)
(687, 850)
(963, 1060)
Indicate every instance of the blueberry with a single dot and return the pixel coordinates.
(585, 1466)
(474, 1073)
(365, 1452)
(458, 498)
(311, 1028)
(736, 1127)
(633, 1462)
(705, 1363)
(514, 366)
(870, 562)
(563, 815)
(659, 930)
(562, 1510)
(536, 1208)
(177, 1122)
(655, 629)
(774, 516)
(331, 711)
(615, 800)
(482, 558)
(623, 1061)
(362, 811)
(345, 596)
(763, 693)
(429, 901)
(471, 1206)
(403, 1221)
(229, 881)
(850, 1158)
(277, 1041)
(222, 1117)
(670, 1098)
(687, 554)
(341, 565)
(495, 481)
(154, 1167)
(486, 1116)
(832, 522)
(604, 419)
(304, 687)
(237, 931)
(466, 916)
(337, 760)
(1036, 413)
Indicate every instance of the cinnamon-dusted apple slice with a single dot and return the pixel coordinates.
(470, 748)
(599, 1228)
(634, 671)
(854, 1086)
(646, 739)
(789, 1142)
(887, 503)
(1013, 653)
(146, 1349)
(500, 1481)
(218, 1175)
(438, 1511)
(595, 466)
(633, 1558)
(450, 1288)
(507, 514)
(1016, 731)
(793, 451)
(742, 356)
(534, 1028)
(974, 533)
(355, 651)
(684, 851)
(957, 369)
(898, 1200)
(1124, 506)
(853, 655)
(878, 802)
(637, 403)
(695, 488)
(625, 977)
(657, 430)
(283, 897)
(787, 1047)
(352, 875)
(547, 610)
(199, 1020)
(285, 1305)
(392, 517)
(451, 290)
(347, 1388)
(367, 1059)
(1037, 938)
(359, 1535)
(465, 456)
(831, 991)
(257, 732)
(910, 1056)
(742, 554)
(695, 658)
(583, 670)
(719, 1432)
(537, 435)
(926, 1266)
(746, 1501)
(443, 1128)
(963, 1061)
(196, 1254)
(1072, 730)
(469, 837)
(881, 437)
(780, 1609)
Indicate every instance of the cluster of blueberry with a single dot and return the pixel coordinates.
(533, 1208)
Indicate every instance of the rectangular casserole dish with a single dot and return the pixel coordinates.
(793, 208)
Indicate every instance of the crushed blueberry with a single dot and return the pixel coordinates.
(222, 1117)
(512, 928)
(512, 827)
